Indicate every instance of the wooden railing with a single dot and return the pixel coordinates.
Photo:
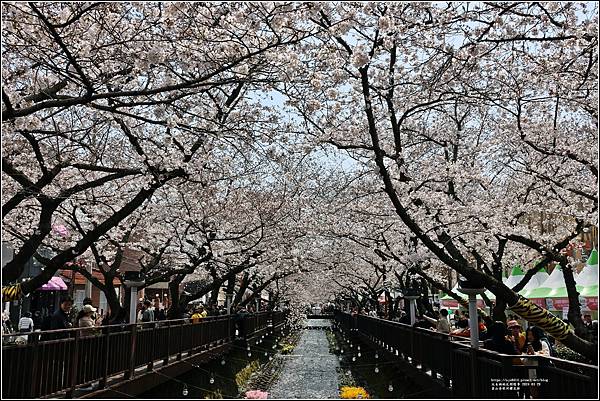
(467, 372)
(279, 318)
(74, 358)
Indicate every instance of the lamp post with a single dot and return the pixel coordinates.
(471, 290)
(412, 295)
(228, 299)
(133, 288)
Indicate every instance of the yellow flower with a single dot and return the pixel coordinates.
(353, 392)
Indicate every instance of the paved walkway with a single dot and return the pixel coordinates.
(310, 371)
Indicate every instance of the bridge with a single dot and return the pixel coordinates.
(122, 359)
(450, 368)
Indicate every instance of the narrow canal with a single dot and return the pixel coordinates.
(320, 363)
(310, 371)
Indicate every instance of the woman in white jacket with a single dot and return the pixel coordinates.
(87, 321)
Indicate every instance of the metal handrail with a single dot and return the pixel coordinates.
(463, 370)
(119, 325)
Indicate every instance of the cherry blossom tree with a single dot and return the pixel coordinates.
(433, 99)
(113, 101)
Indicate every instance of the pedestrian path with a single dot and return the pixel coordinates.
(310, 371)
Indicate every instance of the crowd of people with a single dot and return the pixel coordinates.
(91, 322)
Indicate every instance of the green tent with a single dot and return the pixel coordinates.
(587, 280)
(554, 282)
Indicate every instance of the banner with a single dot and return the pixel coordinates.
(559, 304)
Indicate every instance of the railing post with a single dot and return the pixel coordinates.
(106, 358)
(131, 372)
(474, 373)
(74, 364)
(35, 371)
(153, 349)
(166, 360)
(412, 345)
(179, 354)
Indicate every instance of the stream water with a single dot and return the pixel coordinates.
(310, 371)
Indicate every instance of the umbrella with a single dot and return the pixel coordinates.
(55, 284)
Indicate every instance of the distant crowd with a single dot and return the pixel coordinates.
(91, 322)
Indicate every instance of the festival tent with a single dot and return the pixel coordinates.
(587, 280)
(449, 302)
(586, 285)
(536, 281)
(554, 280)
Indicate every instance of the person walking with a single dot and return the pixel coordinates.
(240, 321)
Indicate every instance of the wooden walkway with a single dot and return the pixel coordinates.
(452, 369)
(120, 360)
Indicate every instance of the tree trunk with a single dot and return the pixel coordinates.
(499, 310)
(242, 290)
(111, 298)
(214, 296)
(176, 310)
(574, 314)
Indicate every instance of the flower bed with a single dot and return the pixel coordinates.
(353, 392)
(256, 395)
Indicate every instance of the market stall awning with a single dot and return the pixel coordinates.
(55, 284)
(536, 281)
(587, 280)
(552, 285)
(516, 275)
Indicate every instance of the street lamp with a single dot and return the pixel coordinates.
(228, 299)
(469, 288)
(412, 295)
(131, 269)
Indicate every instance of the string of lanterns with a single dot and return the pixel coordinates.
(267, 352)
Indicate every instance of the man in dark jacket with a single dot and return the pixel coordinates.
(61, 320)
(498, 340)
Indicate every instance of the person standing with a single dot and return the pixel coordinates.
(159, 313)
(147, 312)
(87, 320)
(442, 324)
(200, 313)
(516, 333)
(60, 320)
(26, 323)
(498, 340)
(536, 344)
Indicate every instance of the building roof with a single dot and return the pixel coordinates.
(80, 279)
